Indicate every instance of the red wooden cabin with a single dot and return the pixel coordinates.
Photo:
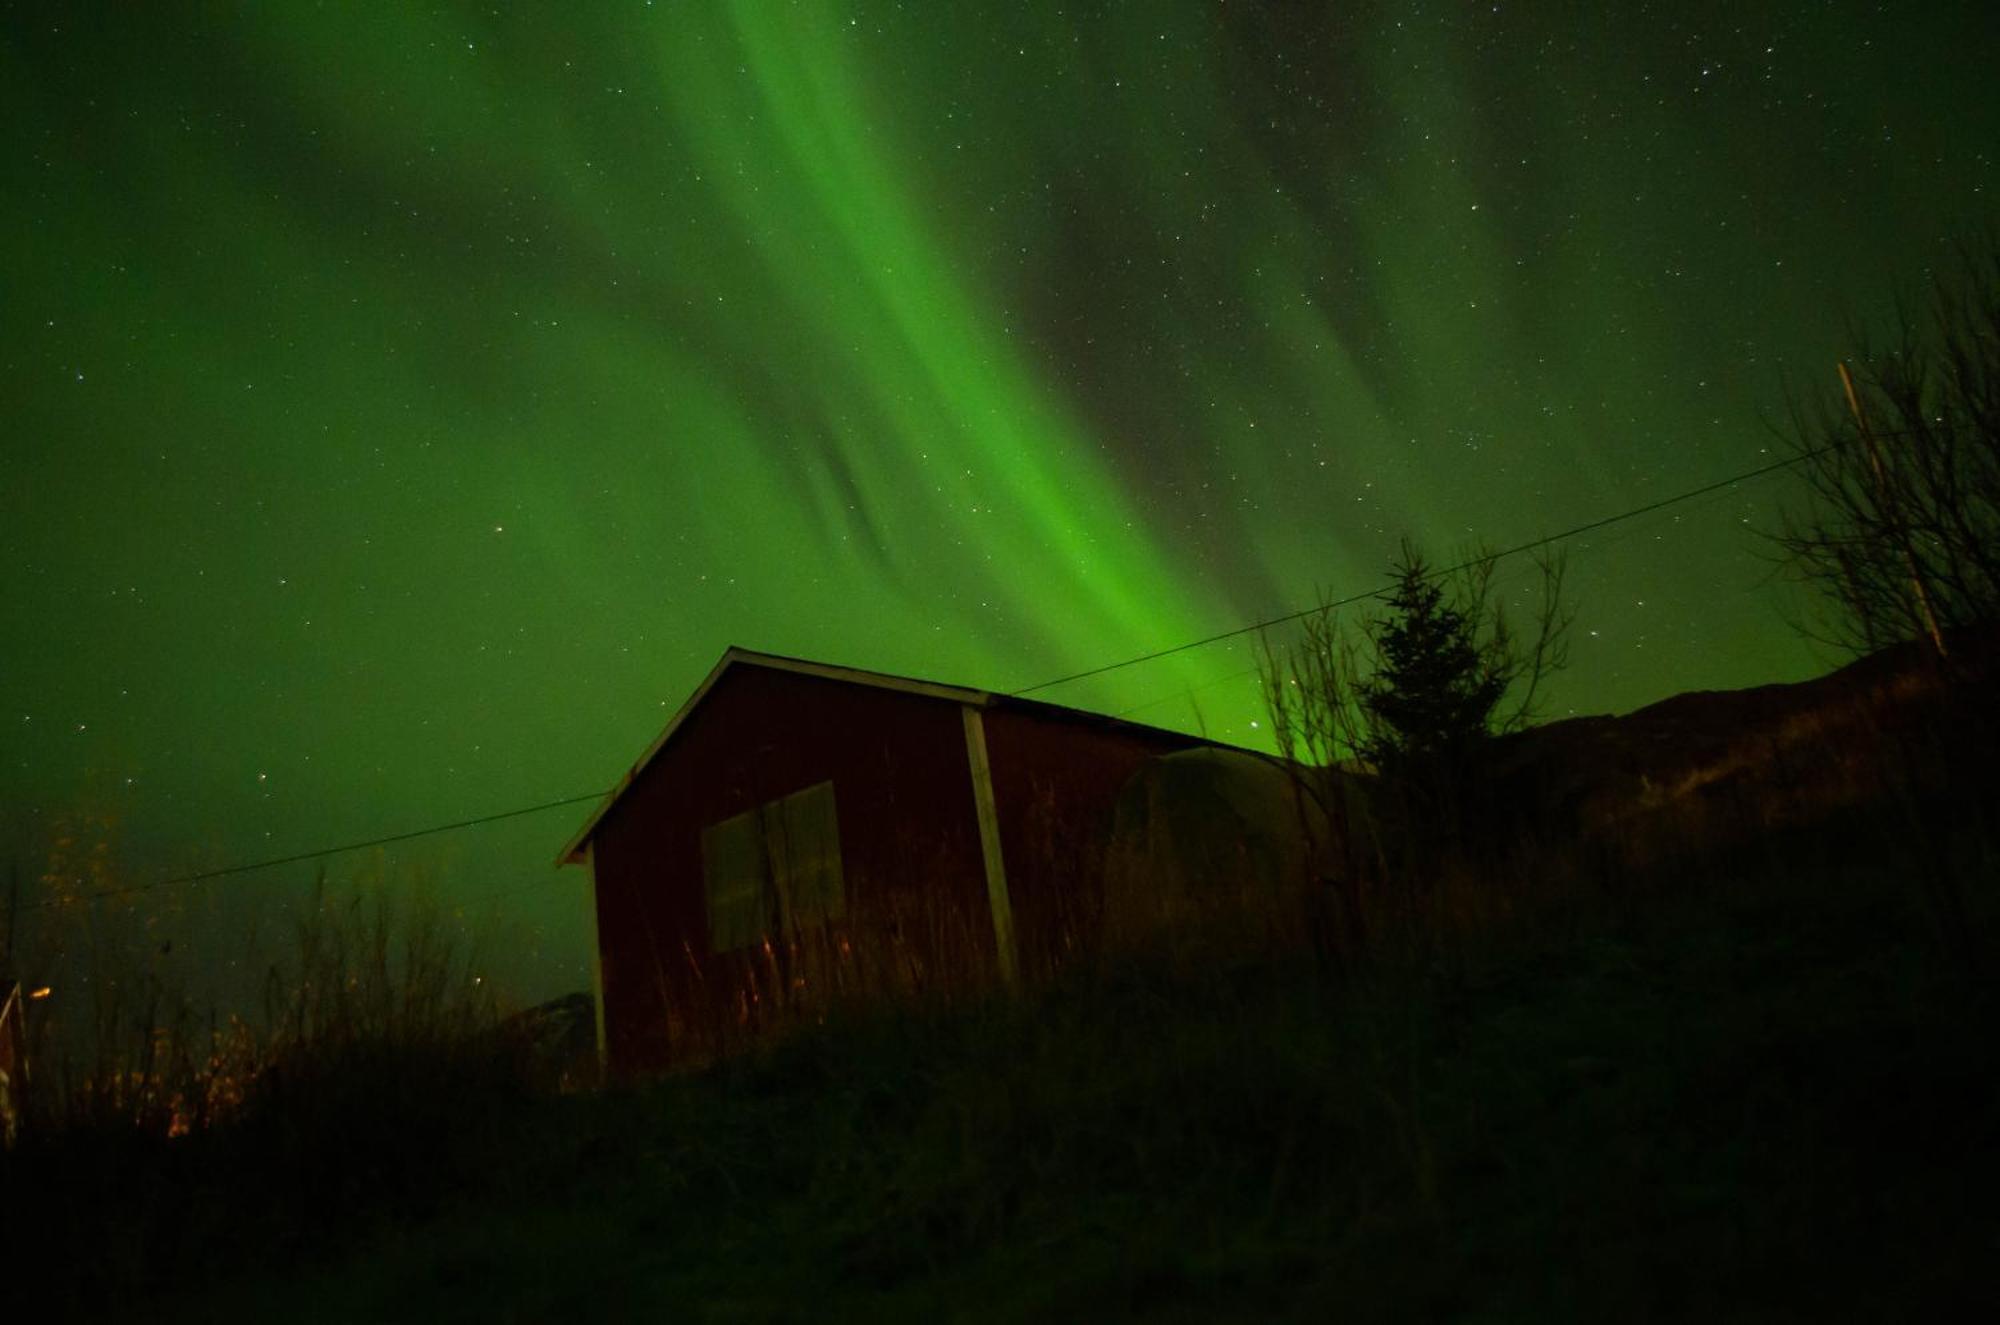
(879, 825)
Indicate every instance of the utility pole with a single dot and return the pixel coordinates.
(1886, 503)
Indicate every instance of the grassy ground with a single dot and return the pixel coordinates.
(1757, 1099)
(1756, 1079)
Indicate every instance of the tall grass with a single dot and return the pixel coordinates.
(1742, 1097)
(159, 1140)
(1632, 1052)
(891, 947)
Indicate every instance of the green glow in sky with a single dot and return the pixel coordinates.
(404, 410)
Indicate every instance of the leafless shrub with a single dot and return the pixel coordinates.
(1898, 527)
(124, 1044)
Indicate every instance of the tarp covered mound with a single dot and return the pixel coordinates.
(1205, 836)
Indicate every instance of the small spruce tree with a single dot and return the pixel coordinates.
(1413, 692)
(1436, 683)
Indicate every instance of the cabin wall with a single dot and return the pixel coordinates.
(909, 838)
(1055, 786)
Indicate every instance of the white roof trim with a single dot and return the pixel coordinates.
(572, 852)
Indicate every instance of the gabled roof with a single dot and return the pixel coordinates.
(572, 852)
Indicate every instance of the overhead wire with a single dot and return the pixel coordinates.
(1517, 549)
(1187, 692)
(1531, 545)
(319, 852)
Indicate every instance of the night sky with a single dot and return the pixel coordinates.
(403, 410)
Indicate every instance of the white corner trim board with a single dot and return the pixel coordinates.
(989, 839)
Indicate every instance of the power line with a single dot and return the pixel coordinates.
(1519, 548)
(316, 854)
(1529, 546)
(1187, 692)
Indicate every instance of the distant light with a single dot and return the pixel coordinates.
(43, 992)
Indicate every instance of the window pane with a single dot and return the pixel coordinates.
(773, 870)
(807, 842)
(738, 881)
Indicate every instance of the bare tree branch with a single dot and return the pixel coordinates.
(1898, 522)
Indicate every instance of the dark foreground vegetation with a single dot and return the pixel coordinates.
(1728, 1047)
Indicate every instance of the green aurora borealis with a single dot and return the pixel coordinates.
(403, 409)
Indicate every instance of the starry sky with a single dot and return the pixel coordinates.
(404, 406)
